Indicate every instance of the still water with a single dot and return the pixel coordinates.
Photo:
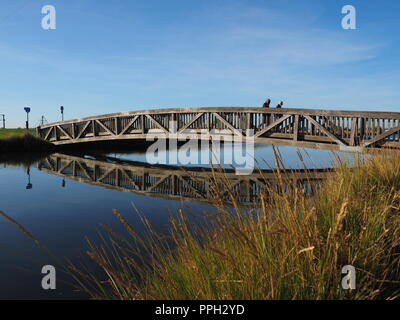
(61, 199)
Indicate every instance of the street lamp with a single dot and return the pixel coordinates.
(62, 113)
(27, 110)
(4, 120)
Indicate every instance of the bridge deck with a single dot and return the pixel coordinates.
(326, 129)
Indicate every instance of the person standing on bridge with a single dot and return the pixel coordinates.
(266, 116)
(266, 103)
(279, 106)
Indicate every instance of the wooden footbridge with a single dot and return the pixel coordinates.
(324, 129)
(175, 183)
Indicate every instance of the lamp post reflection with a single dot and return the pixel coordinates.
(29, 185)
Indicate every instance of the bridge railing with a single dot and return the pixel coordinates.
(270, 125)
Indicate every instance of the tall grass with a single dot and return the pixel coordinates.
(288, 246)
(10, 133)
(24, 143)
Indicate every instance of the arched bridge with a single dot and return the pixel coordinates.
(176, 183)
(325, 129)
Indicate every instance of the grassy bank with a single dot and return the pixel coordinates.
(21, 141)
(11, 133)
(290, 247)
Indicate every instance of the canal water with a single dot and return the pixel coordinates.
(62, 199)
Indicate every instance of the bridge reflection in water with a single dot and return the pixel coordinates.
(177, 183)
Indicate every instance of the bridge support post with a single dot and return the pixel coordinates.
(73, 130)
(249, 124)
(296, 127)
(94, 128)
(362, 130)
(353, 133)
(117, 126)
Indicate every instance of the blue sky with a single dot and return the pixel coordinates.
(111, 56)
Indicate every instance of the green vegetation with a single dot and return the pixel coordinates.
(10, 133)
(17, 140)
(292, 246)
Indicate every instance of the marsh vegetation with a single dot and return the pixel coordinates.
(287, 246)
(21, 140)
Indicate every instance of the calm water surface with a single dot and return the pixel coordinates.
(61, 210)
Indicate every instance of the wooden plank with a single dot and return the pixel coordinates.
(65, 132)
(235, 131)
(300, 111)
(332, 125)
(353, 131)
(129, 125)
(116, 125)
(48, 133)
(325, 131)
(272, 125)
(381, 136)
(104, 127)
(93, 122)
(191, 122)
(83, 130)
(296, 127)
(73, 130)
(157, 123)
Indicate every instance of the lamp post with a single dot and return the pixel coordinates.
(27, 110)
(62, 113)
(4, 120)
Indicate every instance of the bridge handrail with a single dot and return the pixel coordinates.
(292, 111)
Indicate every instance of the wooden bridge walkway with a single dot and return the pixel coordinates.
(175, 183)
(324, 129)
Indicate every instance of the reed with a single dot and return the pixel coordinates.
(24, 143)
(287, 246)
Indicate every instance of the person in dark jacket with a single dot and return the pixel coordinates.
(266, 103)
(278, 106)
(266, 117)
